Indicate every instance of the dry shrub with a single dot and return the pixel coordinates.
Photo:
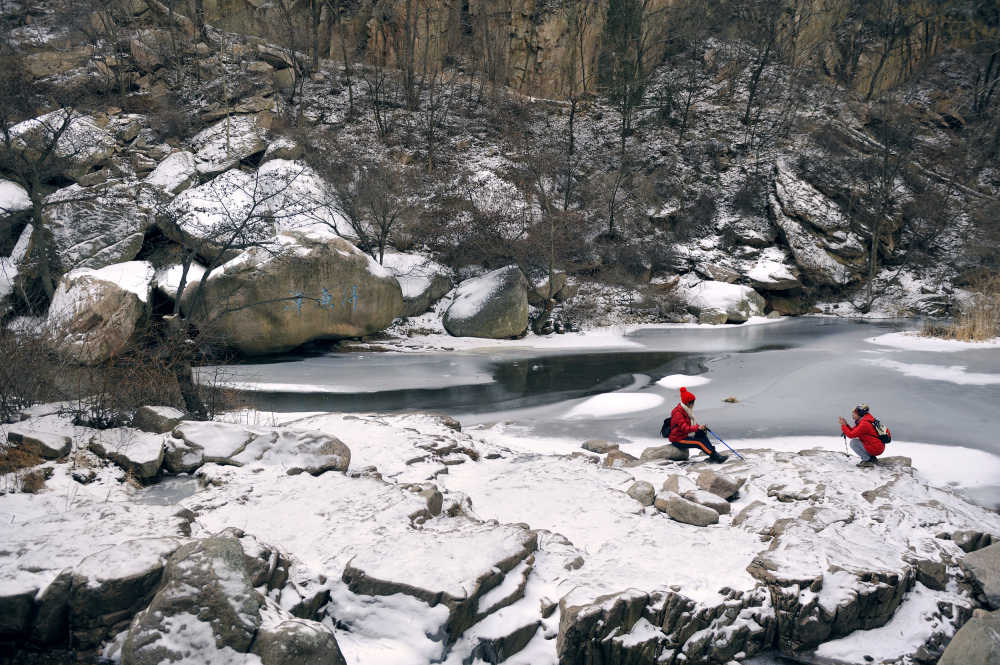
(33, 482)
(979, 319)
(14, 465)
(27, 372)
(14, 459)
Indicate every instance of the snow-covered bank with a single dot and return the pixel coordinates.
(913, 341)
(438, 545)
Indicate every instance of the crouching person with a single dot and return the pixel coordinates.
(685, 432)
(865, 441)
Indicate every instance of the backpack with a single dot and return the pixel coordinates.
(881, 431)
(665, 428)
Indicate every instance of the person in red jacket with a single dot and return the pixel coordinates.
(864, 438)
(685, 432)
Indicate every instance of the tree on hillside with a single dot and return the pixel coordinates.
(234, 212)
(878, 190)
(35, 152)
(624, 64)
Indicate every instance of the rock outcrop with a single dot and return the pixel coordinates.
(976, 643)
(305, 288)
(494, 306)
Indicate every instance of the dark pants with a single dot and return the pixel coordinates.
(697, 440)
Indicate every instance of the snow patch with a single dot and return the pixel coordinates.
(613, 404)
(912, 341)
(677, 381)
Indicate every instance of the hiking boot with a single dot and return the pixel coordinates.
(716, 458)
(867, 464)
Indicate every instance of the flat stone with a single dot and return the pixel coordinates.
(43, 444)
(140, 453)
(667, 452)
(685, 511)
(678, 484)
(599, 446)
(713, 501)
(619, 458)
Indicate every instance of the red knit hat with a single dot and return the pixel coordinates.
(686, 396)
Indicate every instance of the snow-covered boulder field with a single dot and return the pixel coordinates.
(420, 543)
(493, 306)
(305, 287)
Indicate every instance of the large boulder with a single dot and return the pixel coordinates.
(268, 300)
(96, 227)
(976, 643)
(94, 313)
(298, 451)
(494, 306)
(984, 567)
(110, 586)
(175, 173)
(223, 145)
(719, 484)
(643, 492)
(206, 605)
(423, 281)
(240, 209)
(81, 144)
(737, 302)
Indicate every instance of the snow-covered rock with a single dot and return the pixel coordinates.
(423, 281)
(13, 198)
(38, 442)
(665, 452)
(95, 227)
(983, 566)
(774, 271)
(283, 148)
(157, 419)
(494, 306)
(818, 234)
(206, 605)
(976, 643)
(736, 302)
(238, 210)
(684, 510)
(306, 288)
(137, 452)
(223, 145)
(168, 278)
(82, 144)
(643, 492)
(10, 267)
(175, 173)
(94, 313)
(110, 586)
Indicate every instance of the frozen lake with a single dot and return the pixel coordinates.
(789, 378)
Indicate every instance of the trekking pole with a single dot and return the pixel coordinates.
(725, 444)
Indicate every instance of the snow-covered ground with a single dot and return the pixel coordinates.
(382, 555)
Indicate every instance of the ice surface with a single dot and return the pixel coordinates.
(952, 373)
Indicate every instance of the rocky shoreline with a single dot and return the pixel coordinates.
(370, 539)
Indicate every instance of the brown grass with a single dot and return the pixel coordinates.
(14, 459)
(979, 320)
(33, 482)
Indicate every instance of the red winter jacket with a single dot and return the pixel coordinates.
(865, 431)
(680, 425)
